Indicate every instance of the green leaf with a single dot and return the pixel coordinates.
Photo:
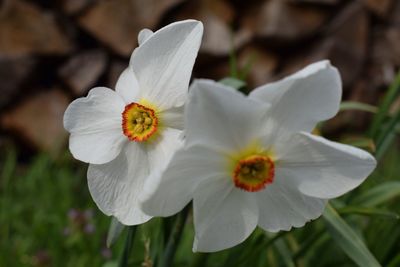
(174, 238)
(386, 134)
(285, 253)
(114, 231)
(361, 142)
(245, 70)
(348, 240)
(353, 105)
(393, 92)
(233, 66)
(395, 262)
(369, 212)
(314, 239)
(110, 264)
(233, 82)
(123, 261)
(378, 194)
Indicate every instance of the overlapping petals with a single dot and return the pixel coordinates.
(223, 215)
(158, 75)
(116, 186)
(221, 119)
(171, 190)
(308, 169)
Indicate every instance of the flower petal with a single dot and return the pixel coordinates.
(169, 191)
(224, 216)
(173, 117)
(220, 116)
(95, 126)
(144, 35)
(321, 168)
(303, 99)
(161, 150)
(281, 206)
(127, 86)
(117, 185)
(163, 63)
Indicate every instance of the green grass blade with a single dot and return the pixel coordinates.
(395, 262)
(387, 133)
(233, 66)
(385, 145)
(390, 96)
(368, 212)
(128, 246)
(306, 246)
(285, 253)
(378, 194)
(233, 82)
(174, 238)
(361, 142)
(348, 240)
(353, 105)
(114, 231)
(245, 70)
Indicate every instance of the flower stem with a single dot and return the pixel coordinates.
(174, 238)
(123, 261)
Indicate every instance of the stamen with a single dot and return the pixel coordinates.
(139, 123)
(253, 173)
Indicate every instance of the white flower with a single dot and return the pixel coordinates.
(128, 133)
(251, 161)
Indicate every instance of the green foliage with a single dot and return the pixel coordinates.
(45, 215)
(37, 198)
(233, 82)
(347, 239)
(384, 127)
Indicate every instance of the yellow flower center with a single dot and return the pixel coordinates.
(139, 122)
(254, 172)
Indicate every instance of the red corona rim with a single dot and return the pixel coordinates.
(139, 122)
(254, 173)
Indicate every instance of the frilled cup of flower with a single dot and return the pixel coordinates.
(252, 161)
(128, 133)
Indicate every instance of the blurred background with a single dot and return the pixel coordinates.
(52, 52)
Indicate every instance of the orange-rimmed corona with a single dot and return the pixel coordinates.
(139, 122)
(253, 173)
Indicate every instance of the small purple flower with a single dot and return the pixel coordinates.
(66, 231)
(73, 214)
(89, 228)
(106, 253)
(88, 214)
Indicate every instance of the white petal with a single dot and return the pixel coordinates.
(169, 191)
(144, 35)
(161, 150)
(117, 185)
(127, 86)
(220, 116)
(163, 63)
(300, 101)
(224, 216)
(173, 117)
(281, 206)
(95, 126)
(321, 168)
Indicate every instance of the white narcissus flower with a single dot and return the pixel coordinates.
(251, 161)
(128, 133)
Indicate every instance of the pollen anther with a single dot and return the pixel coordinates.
(253, 173)
(139, 122)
